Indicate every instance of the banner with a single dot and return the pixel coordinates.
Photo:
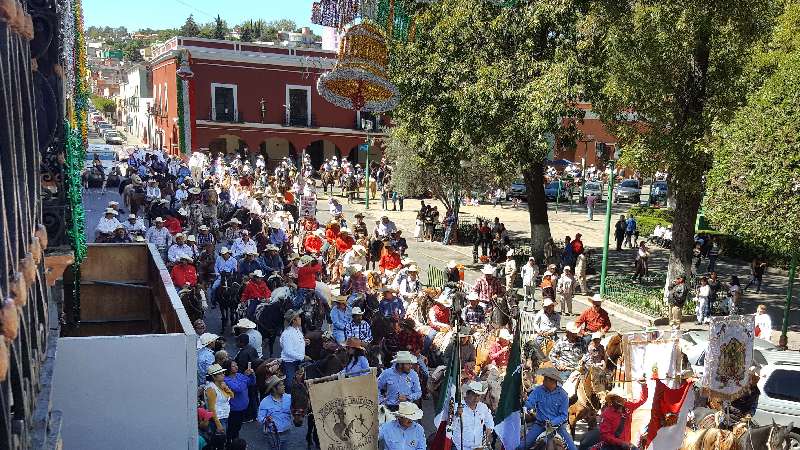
(346, 412)
(308, 205)
(729, 355)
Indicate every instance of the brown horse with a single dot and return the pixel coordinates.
(592, 386)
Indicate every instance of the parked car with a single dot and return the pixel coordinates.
(558, 189)
(628, 191)
(113, 138)
(108, 158)
(695, 343)
(518, 190)
(102, 126)
(593, 187)
(658, 193)
(780, 393)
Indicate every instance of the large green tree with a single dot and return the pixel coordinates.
(676, 68)
(190, 28)
(220, 28)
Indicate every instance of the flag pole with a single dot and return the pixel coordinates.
(456, 322)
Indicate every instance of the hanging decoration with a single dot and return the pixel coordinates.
(183, 75)
(394, 17)
(334, 13)
(359, 80)
(729, 356)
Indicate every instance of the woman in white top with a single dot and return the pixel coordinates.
(763, 323)
(702, 301)
(293, 346)
(218, 396)
(478, 422)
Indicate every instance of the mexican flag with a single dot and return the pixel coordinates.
(444, 434)
(509, 411)
(668, 416)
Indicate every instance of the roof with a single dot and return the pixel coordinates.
(782, 358)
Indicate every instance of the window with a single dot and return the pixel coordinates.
(361, 116)
(224, 102)
(298, 105)
(783, 385)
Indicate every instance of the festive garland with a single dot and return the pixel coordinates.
(181, 111)
(393, 16)
(334, 13)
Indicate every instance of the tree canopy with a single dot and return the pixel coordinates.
(190, 28)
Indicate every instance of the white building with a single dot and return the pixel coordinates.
(136, 95)
(331, 37)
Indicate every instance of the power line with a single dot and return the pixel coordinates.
(184, 3)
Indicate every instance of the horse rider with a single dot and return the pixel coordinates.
(225, 263)
(314, 242)
(499, 350)
(273, 263)
(179, 248)
(391, 306)
(467, 350)
(356, 255)
(403, 433)
(243, 244)
(400, 383)
(357, 327)
(474, 314)
(275, 413)
(107, 225)
(153, 192)
(595, 353)
(549, 404)
(249, 263)
(134, 226)
(205, 237)
(616, 417)
(410, 285)
(566, 354)
(473, 424)
(488, 286)
(232, 231)
(307, 270)
(547, 322)
(340, 318)
(184, 274)
(255, 291)
(593, 319)
(159, 236)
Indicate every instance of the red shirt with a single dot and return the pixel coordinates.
(182, 274)
(610, 421)
(310, 224)
(332, 233)
(256, 289)
(313, 244)
(497, 355)
(307, 276)
(577, 247)
(173, 225)
(594, 320)
(440, 315)
(344, 243)
(389, 261)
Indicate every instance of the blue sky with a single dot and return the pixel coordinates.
(172, 13)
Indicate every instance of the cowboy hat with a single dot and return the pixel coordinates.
(598, 335)
(290, 315)
(236, 221)
(354, 343)
(272, 382)
(245, 232)
(204, 227)
(572, 328)
(305, 260)
(244, 322)
(473, 296)
(487, 270)
(111, 211)
(567, 268)
(475, 386)
(340, 299)
(132, 216)
(191, 238)
(550, 372)
(357, 311)
(275, 223)
(404, 356)
(408, 411)
(359, 216)
(548, 302)
(205, 339)
(451, 264)
(319, 232)
(444, 300)
(164, 201)
(138, 239)
(194, 190)
(113, 203)
(293, 257)
(257, 273)
(505, 334)
(179, 235)
(185, 257)
(597, 298)
(617, 392)
(183, 212)
(251, 252)
(360, 249)
(413, 268)
(224, 250)
(384, 290)
(271, 247)
(215, 369)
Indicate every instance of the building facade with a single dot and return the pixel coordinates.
(593, 132)
(136, 96)
(253, 98)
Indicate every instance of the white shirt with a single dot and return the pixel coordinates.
(293, 345)
(153, 192)
(529, 274)
(177, 250)
(475, 421)
(240, 247)
(107, 225)
(543, 323)
(764, 323)
(566, 285)
(137, 226)
(511, 267)
(704, 291)
(385, 229)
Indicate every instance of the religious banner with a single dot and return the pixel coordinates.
(346, 412)
(729, 355)
(308, 205)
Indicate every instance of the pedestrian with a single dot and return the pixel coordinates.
(275, 414)
(403, 433)
(217, 398)
(473, 424)
(640, 263)
(510, 268)
(619, 231)
(530, 274)
(591, 200)
(697, 256)
(293, 346)
(763, 327)
(678, 293)
(567, 255)
(580, 273)
(757, 268)
(713, 254)
(630, 230)
(206, 345)
(734, 295)
(703, 291)
(566, 290)
(714, 286)
(239, 384)
(485, 233)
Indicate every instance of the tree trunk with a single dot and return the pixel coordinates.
(687, 204)
(537, 208)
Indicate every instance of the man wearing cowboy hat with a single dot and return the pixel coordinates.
(277, 236)
(225, 263)
(108, 223)
(595, 352)
(500, 349)
(488, 286)
(566, 354)
(356, 281)
(410, 285)
(403, 433)
(356, 255)
(530, 273)
(391, 306)
(184, 274)
(439, 314)
(474, 314)
(159, 236)
(307, 270)
(747, 403)
(243, 244)
(595, 318)
(357, 327)
(360, 227)
(549, 403)
(340, 318)
(477, 419)
(546, 322)
(179, 248)
(400, 383)
(249, 328)
(232, 231)
(206, 345)
(510, 268)
(391, 260)
(152, 192)
(386, 227)
(120, 236)
(273, 263)
(134, 226)
(275, 412)
(205, 237)
(467, 348)
(293, 345)
(565, 290)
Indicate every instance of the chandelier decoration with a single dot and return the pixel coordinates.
(359, 81)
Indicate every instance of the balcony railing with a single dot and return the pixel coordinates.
(300, 121)
(234, 116)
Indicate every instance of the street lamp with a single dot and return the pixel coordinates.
(604, 270)
(784, 340)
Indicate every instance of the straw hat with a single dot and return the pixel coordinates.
(404, 356)
(567, 268)
(305, 260)
(475, 386)
(191, 238)
(505, 334)
(572, 328)
(413, 268)
(356, 311)
(472, 296)
(111, 211)
(194, 190)
(548, 302)
(354, 343)
(464, 332)
(550, 372)
(597, 298)
(272, 247)
(451, 264)
(273, 381)
(444, 300)
(618, 393)
(290, 315)
(340, 299)
(487, 270)
(215, 369)
(113, 203)
(294, 256)
(245, 323)
(409, 411)
(257, 273)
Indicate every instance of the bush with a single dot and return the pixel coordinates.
(647, 224)
(665, 214)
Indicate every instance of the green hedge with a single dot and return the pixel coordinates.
(645, 297)
(665, 214)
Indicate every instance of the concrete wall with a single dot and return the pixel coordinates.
(127, 392)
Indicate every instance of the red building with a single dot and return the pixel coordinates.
(253, 98)
(593, 132)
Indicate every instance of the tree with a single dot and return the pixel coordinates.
(104, 104)
(220, 28)
(677, 66)
(246, 34)
(190, 28)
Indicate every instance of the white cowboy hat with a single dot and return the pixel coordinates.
(359, 249)
(224, 250)
(305, 260)
(319, 232)
(357, 311)
(113, 203)
(510, 252)
(138, 239)
(550, 372)
(344, 231)
(205, 339)
(257, 273)
(572, 328)
(404, 356)
(598, 335)
(111, 211)
(547, 273)
(548, 302)
(568, 268)
(185, 257)
(444, 300)
(451, 264)
(183, 212)
(273, 381)
(244, 322)
(215, 369)
(251, 252)
(191, 238)
(464, 332)
(194, 190)
(236, 221)
(204, 227)
(412, 268)
(487, 270)
(597, 298)
(472, 296)
(475, 386)
(271, 247)
(179, 235)
(356, 268)
(275, 223)
(132, 216)
(505, 334)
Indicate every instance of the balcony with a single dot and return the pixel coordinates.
(300, 121)
(234, 116)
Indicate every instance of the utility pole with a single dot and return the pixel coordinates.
(604, 270)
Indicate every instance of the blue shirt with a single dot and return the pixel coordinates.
(277, 237)
(395, 437)
(341, 318)
(549, 405)
(630, 225)
(359, 330)
(247, 267)
(359, 367)
(392, 307)
(205, 358)
(273, 263)
(393, 383)
(279, 411)
(238, 384)
(225, 266)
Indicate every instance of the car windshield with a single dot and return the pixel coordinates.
(630, 184)
(103, 156)
(518, 183)
(112, 133)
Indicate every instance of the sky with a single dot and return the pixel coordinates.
(159, 14)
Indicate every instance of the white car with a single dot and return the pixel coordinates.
(780, 393)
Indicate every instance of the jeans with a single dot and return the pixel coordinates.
(300, 297)
(528, 292)
(289, 369)
(447, 232)
(536, 429)
(754, 279)
(283, 441)
(235, 421)
(712, 263)
(590, 212)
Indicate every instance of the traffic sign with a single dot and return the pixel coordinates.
(363, 148)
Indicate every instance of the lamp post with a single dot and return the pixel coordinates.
(604, 270)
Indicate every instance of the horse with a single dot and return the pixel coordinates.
(230, 288)
(205, 265)
(193, 300)
(504, 310)
(742, 437)
(592, 385)
(549, 440)
(269, 317)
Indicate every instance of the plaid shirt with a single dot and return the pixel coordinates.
(474, 316)
(205, 239)
(487, 289)
(359, 330)
(566, 353)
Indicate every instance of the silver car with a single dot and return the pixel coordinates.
(627, 191)
(780, 393)
(593, 187)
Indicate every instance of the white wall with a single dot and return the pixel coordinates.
(127, 392)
